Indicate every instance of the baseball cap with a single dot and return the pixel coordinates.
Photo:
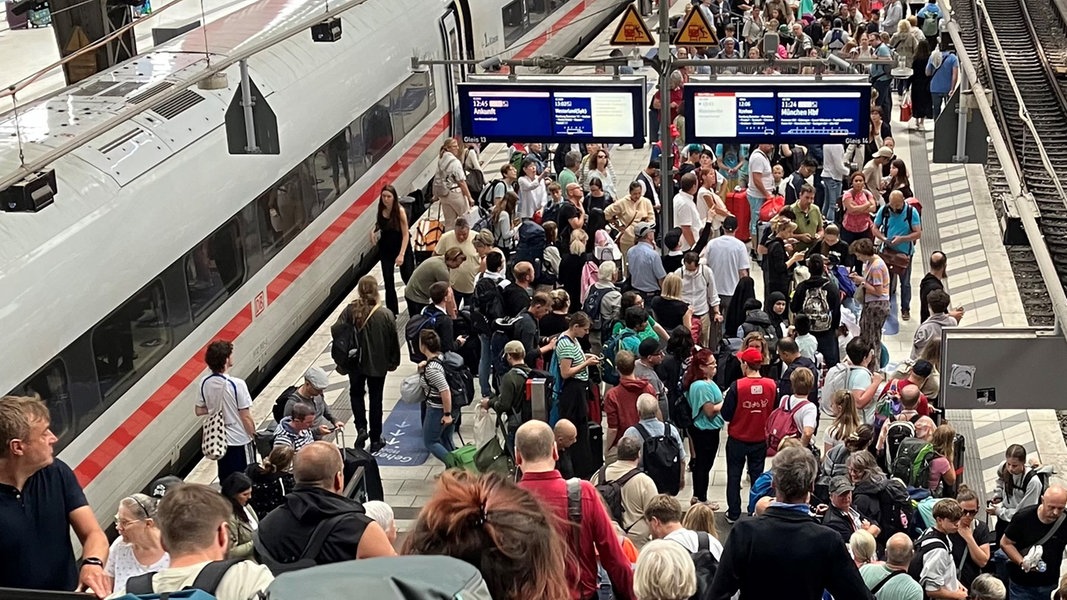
(752, 356)
(514, 347)
(317, 378)
(648, 347)
(729, 223)
(642, 229)
(922, 368)
(884, 152)
(841, 485)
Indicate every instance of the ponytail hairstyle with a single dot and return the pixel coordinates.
(1018, 453)
(279, 460)
(491, 523)
(695, 372)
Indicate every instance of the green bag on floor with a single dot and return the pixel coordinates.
(462, 458)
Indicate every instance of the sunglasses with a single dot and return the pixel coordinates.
(970, 513)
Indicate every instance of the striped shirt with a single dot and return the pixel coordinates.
(568, 348)
(434, 382)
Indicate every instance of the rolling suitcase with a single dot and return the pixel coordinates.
(596, 447)
(354, 458)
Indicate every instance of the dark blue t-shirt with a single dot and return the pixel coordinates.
(37, 552)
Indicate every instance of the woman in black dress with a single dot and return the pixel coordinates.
(390, 233)
(922, 104)
(668, 308)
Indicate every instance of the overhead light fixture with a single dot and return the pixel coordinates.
(31, 194)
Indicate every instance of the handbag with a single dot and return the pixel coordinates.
(493, 456)
(898, 262)
(905, 109)
(429, 230)
(213, 442)
(411, 389)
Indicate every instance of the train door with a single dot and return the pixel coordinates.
(451, 37)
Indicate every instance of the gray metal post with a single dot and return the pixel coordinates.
(666, 159)
(963, 111)
(251, 145)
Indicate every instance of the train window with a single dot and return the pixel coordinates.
(215, 268)
(332, 168)
(53, 386)
(516, 22)
(130, 341)
(411, 100)
(377, 131)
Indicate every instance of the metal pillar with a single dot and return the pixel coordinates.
(666, 160)
(963, 110)
(251, 146)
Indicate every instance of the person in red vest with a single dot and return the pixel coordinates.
(748, 404)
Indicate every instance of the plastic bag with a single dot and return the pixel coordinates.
(411, 389)
(484, 427)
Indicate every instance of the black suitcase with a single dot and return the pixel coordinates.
(596, 448)
(370, 485)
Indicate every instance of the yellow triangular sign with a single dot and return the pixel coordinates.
(695, 30)
(632, 30)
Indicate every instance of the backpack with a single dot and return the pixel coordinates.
(911, 463)
(770, 335)
(681, 410)
(550, 212)
(837, 379)
(929, 26)
(837, 39)
(706, 565)
(1043, 474)
(781, 424)
(308, 556)
(384, 578)
(926, 542)
(763, 486)
(412, 330)
(887, 404)
(344, 344)
(895, 434)
(817, 307)
(611, 492)
(591, 305)
(485, 198)
(279, 405)
(896, 508)
(531, 246)
(660, 459)
(459, 378)
(846, 285)
(213, 441)
(488, 305)
(203, 587)
(483, 223)
(608, 372)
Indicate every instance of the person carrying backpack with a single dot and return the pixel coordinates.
(627, 490)
(1018, 486)
(795, 416)
(662, 451)
(602, 302)
(819, 298)
(664, 516)
(884, 501)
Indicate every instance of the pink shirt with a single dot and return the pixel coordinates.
(856, 223)
(877, 275)
(938, 467)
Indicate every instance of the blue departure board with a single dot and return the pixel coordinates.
(778, 109)
(500, 111)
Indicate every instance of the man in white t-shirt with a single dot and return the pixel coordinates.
(686, 215)
(220, 389)
(664, 516)
(193, 521)
(728, 259)
(760, 183)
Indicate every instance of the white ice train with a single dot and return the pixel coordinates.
(160, 240)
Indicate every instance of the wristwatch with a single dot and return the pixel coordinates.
(93, 561)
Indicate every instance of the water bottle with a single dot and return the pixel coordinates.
(1041, 566)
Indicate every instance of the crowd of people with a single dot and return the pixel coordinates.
(649, 346)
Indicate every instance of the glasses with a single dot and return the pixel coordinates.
(120, 522)
(970, 513)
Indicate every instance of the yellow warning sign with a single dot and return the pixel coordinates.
(695, 30)
(632, 30)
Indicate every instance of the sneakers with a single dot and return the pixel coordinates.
(905, 315)
(732, 520)
(361, 438)
(376, 445)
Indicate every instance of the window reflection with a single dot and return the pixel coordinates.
(215, 268)
(51, 384)
(521, 16)
(130, 340)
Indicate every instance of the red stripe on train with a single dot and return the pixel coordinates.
(94, 464)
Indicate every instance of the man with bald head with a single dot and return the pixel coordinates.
(1040, 525)
(316, 501)
(516, 296)
(566, 435)
(890, 579)
(571, 215)
(583, 520)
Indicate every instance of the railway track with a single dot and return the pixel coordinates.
(1027, 57)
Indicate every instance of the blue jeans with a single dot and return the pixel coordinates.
(939, 102)
(833, 194)
(755, 202)
(737, 454)
(905, 288)
(1018, 592)
(436, 436)
(485, 364)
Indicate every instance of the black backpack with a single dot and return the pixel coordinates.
(308, 556)
(345, 346)
(279, 405)
(706, 565)
(207, 580)
(611, 492)
(926, 542)
(682, 411)
(592, 303)
(459, 378)
(896, 508)
(660, 458)
(412, 330)
(488, 305)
